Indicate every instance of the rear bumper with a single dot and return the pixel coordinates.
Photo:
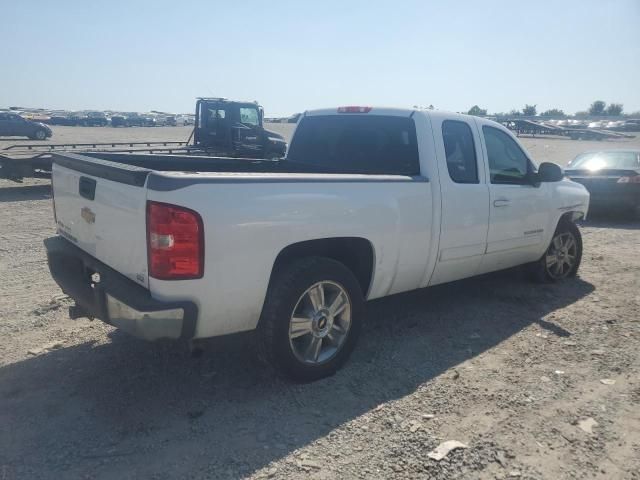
(115, 299)
(629, 199)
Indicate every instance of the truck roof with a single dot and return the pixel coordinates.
(389, 111)
(226, 100)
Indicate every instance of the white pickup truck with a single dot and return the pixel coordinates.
(368, 202)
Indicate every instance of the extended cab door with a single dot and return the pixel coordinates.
(465, 198)
(519, 209)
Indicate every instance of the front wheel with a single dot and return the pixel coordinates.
(562, 258)
(39, 135)
(311, 318)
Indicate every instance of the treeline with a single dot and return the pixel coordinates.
(597, 109)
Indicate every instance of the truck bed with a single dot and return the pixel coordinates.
(175, 171)
(250, 209)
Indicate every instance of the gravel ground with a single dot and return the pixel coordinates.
(517, 372)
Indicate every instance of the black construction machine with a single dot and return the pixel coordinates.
(223, 128)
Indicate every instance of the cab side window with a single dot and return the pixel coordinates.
(460, 151)
(249, 116)
(508, 164)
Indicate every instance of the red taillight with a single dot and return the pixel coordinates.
(633, 179)
(175, 242)
(354, 109)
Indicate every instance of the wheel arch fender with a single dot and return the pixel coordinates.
(355, 253)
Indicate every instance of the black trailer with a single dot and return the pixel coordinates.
(537, 127)
(34, 160)
(222, 128)
(593, 134)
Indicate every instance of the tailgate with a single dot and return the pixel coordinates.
(106, 218)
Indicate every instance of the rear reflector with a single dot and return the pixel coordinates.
(354, 109)
(634, 179)
(175, 242)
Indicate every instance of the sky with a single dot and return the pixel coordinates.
(139, 55)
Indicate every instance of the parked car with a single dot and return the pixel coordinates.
(64, 120)
(119, 121)
(630, 126)
(369, 202)
(611, 177)
(95, 119)
(13, 125)
(136, 120)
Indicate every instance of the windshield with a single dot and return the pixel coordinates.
(601, 160)
(357, 143)
(249, 116)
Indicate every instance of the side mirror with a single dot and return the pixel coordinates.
(550, 172)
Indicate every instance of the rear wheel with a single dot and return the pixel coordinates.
(311, 318)
(562, 258)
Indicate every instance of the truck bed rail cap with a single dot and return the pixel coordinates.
(118, 172)
(168, 181)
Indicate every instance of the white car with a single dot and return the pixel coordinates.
(369, 202)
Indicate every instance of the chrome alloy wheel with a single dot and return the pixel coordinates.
(320, 322)
(561, 255)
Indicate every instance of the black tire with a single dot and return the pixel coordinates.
(40, 134)
(287, 287)
(540, 272)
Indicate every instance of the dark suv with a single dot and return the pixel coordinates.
(13, 125)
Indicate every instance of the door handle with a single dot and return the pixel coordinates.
(501, 202)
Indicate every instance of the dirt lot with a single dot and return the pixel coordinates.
(513, 370)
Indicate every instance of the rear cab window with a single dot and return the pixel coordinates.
(351, 143)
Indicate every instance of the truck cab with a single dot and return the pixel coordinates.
(235, 129)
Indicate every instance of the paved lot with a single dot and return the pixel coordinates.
(512, 369)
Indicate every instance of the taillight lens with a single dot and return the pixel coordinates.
(633, 179)
(175, 242)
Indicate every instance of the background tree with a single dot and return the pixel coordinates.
(597, 108)
(477, 111)
(514, 113)
(530, 110)
(614, 109)
(553, 112)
